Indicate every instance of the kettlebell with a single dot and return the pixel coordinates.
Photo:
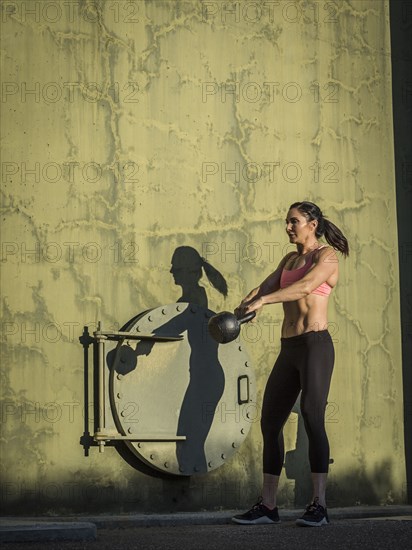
(225, 326)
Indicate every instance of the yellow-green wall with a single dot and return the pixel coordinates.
(118, 128)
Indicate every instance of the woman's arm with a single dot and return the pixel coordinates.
(322, 270)
(269, 285)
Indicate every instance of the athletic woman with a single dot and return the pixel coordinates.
(302, 282)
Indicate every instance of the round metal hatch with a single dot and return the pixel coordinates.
(187, 404)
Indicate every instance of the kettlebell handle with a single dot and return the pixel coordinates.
(246, 318)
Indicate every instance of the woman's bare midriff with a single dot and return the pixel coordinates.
(305, 315)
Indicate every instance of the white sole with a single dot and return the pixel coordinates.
(305, 523)
(264, 520)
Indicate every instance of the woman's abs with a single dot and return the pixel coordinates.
(301, 317)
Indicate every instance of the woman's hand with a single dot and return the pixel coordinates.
(247, 307)
(256, 305)
(240, 310)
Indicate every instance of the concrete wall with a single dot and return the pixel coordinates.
(131, 128)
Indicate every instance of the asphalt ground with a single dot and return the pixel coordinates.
(346, 534)
(378, 534)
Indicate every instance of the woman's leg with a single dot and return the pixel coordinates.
(319, 488)
(281, 392)
(269, 490)
(316, 373)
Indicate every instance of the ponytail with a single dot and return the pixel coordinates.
(335, 237)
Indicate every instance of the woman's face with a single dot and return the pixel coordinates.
(298, 228)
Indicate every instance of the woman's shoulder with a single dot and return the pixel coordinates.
(285, 260)
(287, 257)
(325, 253)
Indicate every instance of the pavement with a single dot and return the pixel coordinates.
(360, 527)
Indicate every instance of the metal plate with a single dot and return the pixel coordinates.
(194, 388)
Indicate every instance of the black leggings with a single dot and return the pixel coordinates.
(305, 363)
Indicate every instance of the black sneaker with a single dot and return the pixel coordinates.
(258, 514)
(314, 516)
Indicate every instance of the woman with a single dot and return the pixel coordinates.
(302, 282)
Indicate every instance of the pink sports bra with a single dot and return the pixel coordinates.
(290, 276)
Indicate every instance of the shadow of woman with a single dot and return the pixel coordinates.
(206, 376)
(203, 393)
(207, 380)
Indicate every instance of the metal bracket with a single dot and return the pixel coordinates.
(110, 335)
(102, 436)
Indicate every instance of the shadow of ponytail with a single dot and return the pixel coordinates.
(215, 278)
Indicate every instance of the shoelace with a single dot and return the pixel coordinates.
(258, 504)
(314, 507)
